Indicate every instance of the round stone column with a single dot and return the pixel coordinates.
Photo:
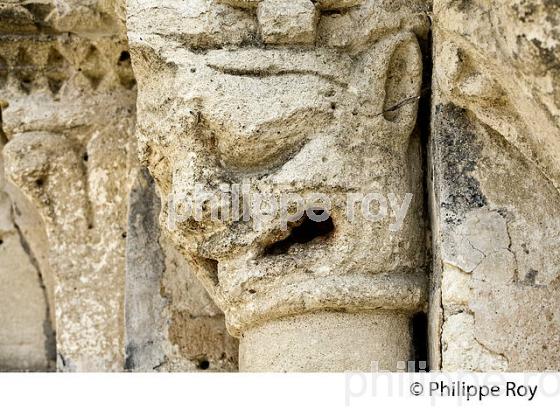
(328, 342)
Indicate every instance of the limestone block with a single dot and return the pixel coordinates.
(496, 132)
(199, 23)
(337, 4)
(171, 323)
(287, 22)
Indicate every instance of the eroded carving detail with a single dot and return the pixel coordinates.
(68, 121)
(217, 108)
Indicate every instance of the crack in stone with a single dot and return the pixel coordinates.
(491, 351)
(510, 244)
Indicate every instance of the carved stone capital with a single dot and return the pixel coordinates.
(225, 120)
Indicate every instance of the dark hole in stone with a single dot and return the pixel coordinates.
(26, 84)
(419, 325)
(333, 13)
(125, 56)
(305, 231)
(211, 268)
(203, 364)
(333, 106)
(124, 235)
(85, 157)
(1, 241)
(39, 182)
(90, 226)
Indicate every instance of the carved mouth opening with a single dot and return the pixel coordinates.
(304, 231)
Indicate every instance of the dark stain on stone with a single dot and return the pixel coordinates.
(525, 12)
(531, 277)
(131, 354)
(458, 150)
(547, 55)
(39, 11)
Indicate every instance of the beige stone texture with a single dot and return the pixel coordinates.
(115, 115)
(495, 163)
(287, 22)
(70, 98)
(328, 342)
(219, 107)
(197, 329)
(26, 331)
(171, 322)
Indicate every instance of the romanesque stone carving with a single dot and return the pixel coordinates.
(289, 98)
(69, 94)
(26, 335)
(283, 144)
(68, 97)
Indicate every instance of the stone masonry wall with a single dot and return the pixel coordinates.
(91, 278)
(496, 177)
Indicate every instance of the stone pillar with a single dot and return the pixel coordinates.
(275, 102)
(495, 157)
(328, 342)
(66, 78)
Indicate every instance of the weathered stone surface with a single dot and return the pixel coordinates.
(69, 93)
(287, 22)
(171, 323)
(144, 307)
(87, 17)
(496, 130)
(463, 352)
(26, 331)
(216, 111)
(319, 342)
(278, 98)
